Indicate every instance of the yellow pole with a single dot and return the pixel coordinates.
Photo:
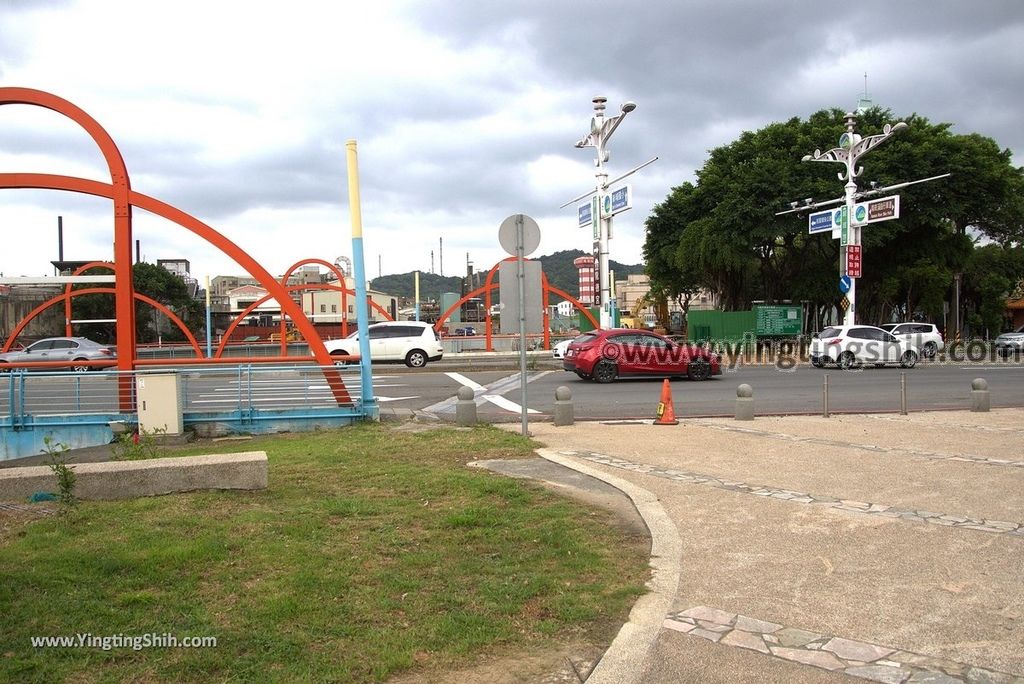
(355, 210)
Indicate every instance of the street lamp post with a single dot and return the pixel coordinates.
(601, 129)
(851, 147)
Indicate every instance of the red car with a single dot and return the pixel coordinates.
(604, 355)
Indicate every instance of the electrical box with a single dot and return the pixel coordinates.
(158, 398)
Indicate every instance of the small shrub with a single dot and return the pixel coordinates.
(136, 446)
(57, 461)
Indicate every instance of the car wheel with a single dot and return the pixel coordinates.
(605, 371)
(929, 350)
(698, 369)
(340, 358)
(847, 360)
(417, 358)
(80, 369)
(909, 359)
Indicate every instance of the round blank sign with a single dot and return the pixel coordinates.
(507, 234)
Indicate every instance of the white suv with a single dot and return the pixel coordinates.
(1011, 342)
(413, 342)
(850, 345)
(924, 336)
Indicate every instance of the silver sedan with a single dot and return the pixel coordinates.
(71, 350)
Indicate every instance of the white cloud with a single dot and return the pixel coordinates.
(238, 112)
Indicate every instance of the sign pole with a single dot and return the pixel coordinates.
(851, 147)
(521, 280)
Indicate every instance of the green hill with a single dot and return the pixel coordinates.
(557, 267)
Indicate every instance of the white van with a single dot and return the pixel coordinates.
(413, 342)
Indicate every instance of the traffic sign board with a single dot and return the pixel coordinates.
(841, 217)
(618, 200)
(845, 283)
(820, 222)
(882, 209)
(853, 261)
(585, 215)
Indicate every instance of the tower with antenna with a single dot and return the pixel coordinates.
(865, 103)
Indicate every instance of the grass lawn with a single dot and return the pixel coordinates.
(374, 550)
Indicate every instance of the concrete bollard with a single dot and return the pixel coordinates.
(563, 406)
(465, 408)
(980, 400)
(744, 402)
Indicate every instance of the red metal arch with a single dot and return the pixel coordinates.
(164, 210)
(119, 190)
(291, 288)
(120, 187)
(67, 296)
(489, 286)
(67, 288)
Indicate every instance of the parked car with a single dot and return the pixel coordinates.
(604, 355)
(413, 342)
(851, 345)
(69, 349)
(558, 351)
(468, 331)
(1010, 343)
(925, 336)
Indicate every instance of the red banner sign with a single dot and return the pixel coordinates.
(853, 262)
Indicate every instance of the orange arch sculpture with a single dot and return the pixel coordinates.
(124, 198)
(490, 286)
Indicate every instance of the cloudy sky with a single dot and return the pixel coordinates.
(465, 112)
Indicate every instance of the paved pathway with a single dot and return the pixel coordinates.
(854, 548)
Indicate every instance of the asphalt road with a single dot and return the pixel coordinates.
(498, 393)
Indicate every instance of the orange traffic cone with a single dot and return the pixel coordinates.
(666, 414)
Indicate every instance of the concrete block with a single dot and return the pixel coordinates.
(151, 477)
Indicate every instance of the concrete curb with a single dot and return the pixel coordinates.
(128, 479)
(627, 659)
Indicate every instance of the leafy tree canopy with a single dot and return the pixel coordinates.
(721, 233)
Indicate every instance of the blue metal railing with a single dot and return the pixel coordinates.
(214, 400)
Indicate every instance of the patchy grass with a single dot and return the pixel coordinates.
(373, 551)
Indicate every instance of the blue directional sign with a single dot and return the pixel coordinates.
(845, 283)
(820, 222)
(621, 199)
(617, 200)
(585, 215)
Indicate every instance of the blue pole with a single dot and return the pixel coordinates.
(209, 332)
(369, 403)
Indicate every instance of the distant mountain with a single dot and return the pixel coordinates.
(563, 275)
(404, 285)
(557, 267)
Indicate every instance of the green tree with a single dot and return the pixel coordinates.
(721, 233)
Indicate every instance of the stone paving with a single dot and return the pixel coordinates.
(856, 658)
(863, 507)
(937, 456)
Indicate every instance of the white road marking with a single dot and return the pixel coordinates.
(502, 402)
(463, 380)
(496, 399)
